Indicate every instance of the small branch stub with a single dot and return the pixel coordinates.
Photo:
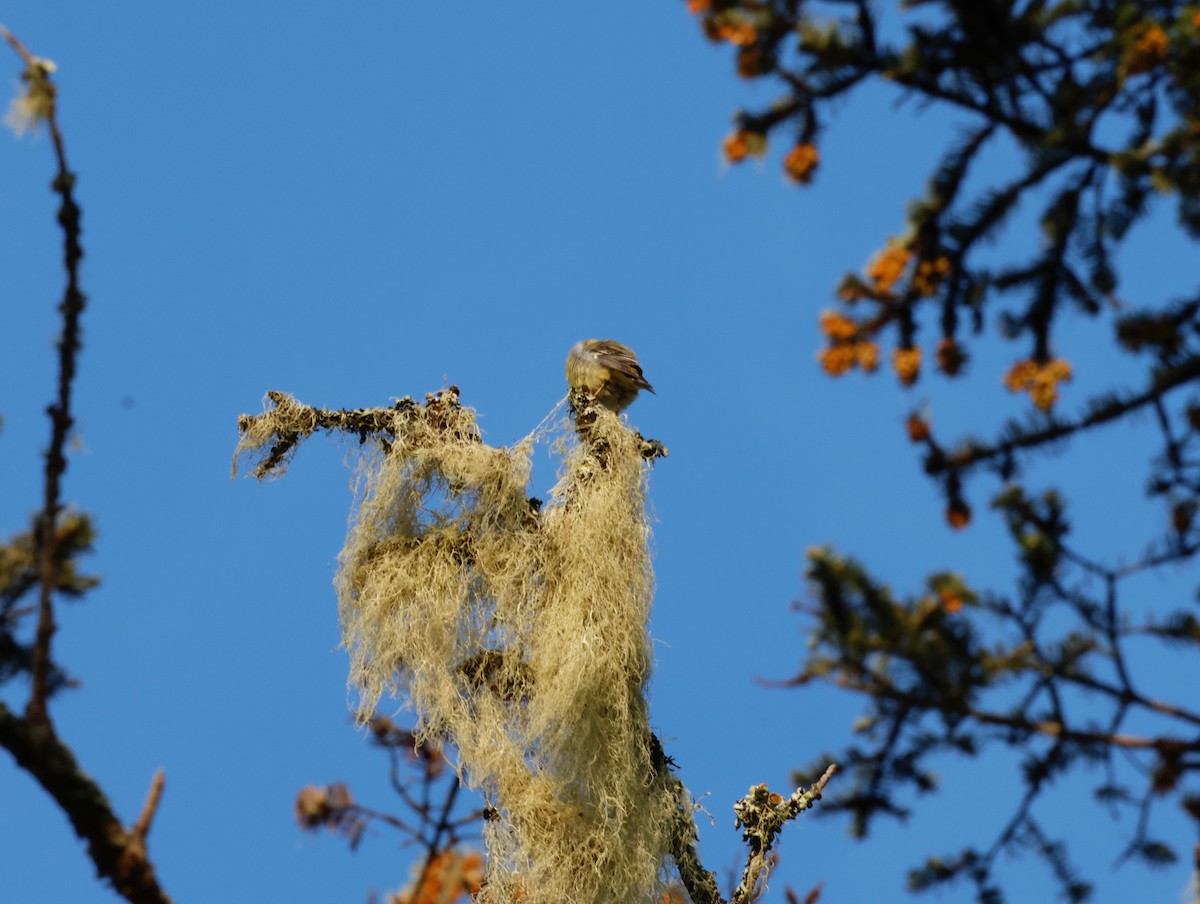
(141, 828)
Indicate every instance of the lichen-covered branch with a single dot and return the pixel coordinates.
(700, 883)
(517, 631)
(519, 634)
(761, 815)
(273, 436)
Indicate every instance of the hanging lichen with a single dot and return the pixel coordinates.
(519, 636)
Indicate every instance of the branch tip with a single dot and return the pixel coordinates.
(141, 828)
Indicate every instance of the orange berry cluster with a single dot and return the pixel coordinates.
(1038, 378)
(739, 27)
(929, 275)
(889, 266)
(742, 144)
(847, 348)
(842, 358)
(907, 364)
(886, 267)
(801, 162)
(850, 347)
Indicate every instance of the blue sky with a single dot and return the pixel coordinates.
(354, 202)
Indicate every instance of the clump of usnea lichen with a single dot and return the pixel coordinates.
(517, 632)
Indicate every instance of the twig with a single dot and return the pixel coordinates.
(16, 45)
(1055, 729)
(1181, 374)
(701, 884)
(141, 828)
(443, 828)
(288, 423)
(763, 815)
(61, 420)
(119, 855)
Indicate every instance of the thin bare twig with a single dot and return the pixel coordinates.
(141, 828)
(119, 854)
(71, 307)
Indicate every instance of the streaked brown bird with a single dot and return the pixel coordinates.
(607, 371)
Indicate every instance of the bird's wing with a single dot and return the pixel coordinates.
(621, 358)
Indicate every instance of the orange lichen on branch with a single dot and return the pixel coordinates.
(699, 6)
(1038, 378)
(742, 144)
(801, 163)
(907, 364)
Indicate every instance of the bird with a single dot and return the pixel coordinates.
(607, 371)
